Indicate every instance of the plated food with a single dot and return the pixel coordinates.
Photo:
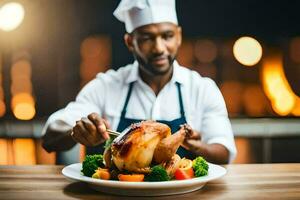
(157, 188)
(145, 151)
(142, 161)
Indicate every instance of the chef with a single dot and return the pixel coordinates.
(153, 87)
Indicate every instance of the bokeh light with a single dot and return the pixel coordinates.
(17, 87)
(91, 47)
(205, 51)
(1, 90)
(24, 151)
(185, 55)
(21, 77)
(21, 97)
(21, 68)
(247, 51)
(284, 101)
(232, 91)
(11, 16)
(2, 103)
(296, 109)
(2, 108)
(255, 101)
(95, 57)
(22, 101)
(23, 106)
(24, 111)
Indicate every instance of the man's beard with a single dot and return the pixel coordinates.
(150, 68)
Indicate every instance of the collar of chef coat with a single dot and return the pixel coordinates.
(134, 74)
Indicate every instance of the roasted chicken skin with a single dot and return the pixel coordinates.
(144, 142)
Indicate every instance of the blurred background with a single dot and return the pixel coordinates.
(50, 49)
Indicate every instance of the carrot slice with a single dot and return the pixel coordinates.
(101, 174)
(131, 177)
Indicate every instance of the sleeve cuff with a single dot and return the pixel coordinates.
(57, 116)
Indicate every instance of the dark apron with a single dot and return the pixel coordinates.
(173, 124)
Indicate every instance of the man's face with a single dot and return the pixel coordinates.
(155, 46)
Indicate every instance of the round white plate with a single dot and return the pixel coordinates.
(144, 188)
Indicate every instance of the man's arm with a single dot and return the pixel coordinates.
(58, 137)
(89, 131)
(217, 140)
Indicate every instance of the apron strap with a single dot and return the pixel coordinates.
(127, 100)
(180, 100)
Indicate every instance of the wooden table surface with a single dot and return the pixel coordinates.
(247, 181)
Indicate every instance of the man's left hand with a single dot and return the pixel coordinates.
(215, 153)
(192, 141)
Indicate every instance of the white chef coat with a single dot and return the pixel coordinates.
(204, 106)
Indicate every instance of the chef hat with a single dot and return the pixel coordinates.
(136, 13)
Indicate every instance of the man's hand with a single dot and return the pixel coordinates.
(192, 140)
(191, 134)
(90, 131)
(215, 153)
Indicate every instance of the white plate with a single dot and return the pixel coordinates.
(144, 188)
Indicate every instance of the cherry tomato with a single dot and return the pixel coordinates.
(182, 174)
(185, 170)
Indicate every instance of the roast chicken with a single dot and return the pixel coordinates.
(144, 143)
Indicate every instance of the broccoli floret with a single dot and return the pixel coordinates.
(200, 172)
(200, 166)
(158, 173)
(91, 163)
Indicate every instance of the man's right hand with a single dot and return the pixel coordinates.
(90, 131)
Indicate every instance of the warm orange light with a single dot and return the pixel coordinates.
(296, 109)
(2, 108)
(284, 101)
(255, 102)
(284, 104)
(1, 91)
(19, 86)
(24, 111)
(95, 57)
(232, 91)
(21, 68)
(245, 154)
(11, 16)
(186, 53)
(4, 158)
(23, 106)
(22, 98)
(24, 152)
(205, 50)
(22, 102)
(2, 104)
(247, 51)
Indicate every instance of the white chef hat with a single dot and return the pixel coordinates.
(136, 13)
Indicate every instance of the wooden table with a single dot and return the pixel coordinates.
(248, 181)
